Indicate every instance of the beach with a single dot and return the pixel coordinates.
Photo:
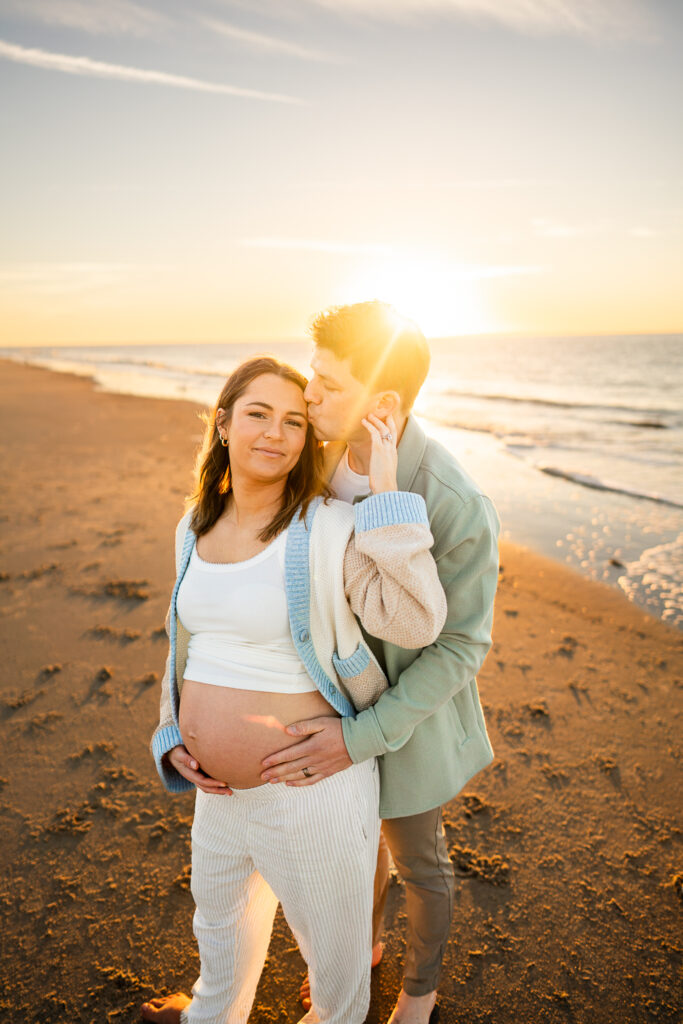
(567, 849)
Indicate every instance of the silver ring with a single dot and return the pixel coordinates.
(307, 772)
(387, 437)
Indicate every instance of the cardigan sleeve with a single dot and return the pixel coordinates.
(167, 735)
(468, 570)
(390, 577)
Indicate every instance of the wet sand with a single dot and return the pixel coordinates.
(567, 849)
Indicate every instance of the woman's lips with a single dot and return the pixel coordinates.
(270, 452)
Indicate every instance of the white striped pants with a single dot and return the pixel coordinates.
(313, 848)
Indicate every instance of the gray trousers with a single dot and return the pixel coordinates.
(418, 847)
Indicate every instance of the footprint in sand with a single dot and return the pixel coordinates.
(127, 590)
(469, 863)
(22, 700)
(41, 570)
(557, 777)
(48, 671)
(539, 711)
(567, 648)
(45, 722)
(474, 804)
(121, 590)
(149, 679)
(121, 636)
(63, 545)
(98, 687)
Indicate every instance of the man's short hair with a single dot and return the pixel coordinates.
(387, 352)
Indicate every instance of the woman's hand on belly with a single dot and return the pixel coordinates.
(187, 766)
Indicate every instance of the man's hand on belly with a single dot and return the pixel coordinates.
(322, 752)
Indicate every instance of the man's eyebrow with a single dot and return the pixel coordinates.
(264, 405)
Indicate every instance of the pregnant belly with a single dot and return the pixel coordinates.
(229, 732)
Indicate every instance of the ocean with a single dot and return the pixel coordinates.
(579, 441)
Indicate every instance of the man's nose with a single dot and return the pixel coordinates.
(311, 393)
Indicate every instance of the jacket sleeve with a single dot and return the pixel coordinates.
(468, 570)
(390, 577)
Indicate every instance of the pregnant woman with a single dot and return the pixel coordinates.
(271, 573)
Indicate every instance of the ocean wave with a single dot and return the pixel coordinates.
(603, 485)
(648, 424)
(554, 403)
(93, 363)
(521, 449)
(656, 579)
(169, 369)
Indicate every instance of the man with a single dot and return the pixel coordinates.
(428, 728)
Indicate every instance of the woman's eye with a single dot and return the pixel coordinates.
(295, 423)
(258, 415)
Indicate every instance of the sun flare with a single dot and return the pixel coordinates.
(443, 299)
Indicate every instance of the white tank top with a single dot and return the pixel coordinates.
(238, 622)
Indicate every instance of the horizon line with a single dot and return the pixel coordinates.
(297, 339)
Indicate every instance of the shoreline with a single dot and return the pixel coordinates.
(540, 514)
(568, 855)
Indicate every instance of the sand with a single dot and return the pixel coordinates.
(567, 849)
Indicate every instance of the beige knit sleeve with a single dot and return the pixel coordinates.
(392, 585)
(165, 712)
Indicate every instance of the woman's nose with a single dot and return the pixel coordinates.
(273, 428)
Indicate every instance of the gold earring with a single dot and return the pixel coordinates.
(224, 440)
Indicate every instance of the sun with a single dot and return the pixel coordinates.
(443, 299)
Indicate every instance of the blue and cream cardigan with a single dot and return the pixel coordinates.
(374, 554)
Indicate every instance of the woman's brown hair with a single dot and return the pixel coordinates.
(305, 481)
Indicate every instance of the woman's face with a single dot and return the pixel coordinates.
(267, 430)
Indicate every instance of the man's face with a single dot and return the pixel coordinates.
(337, 401)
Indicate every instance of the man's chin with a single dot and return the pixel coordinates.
(320, 433)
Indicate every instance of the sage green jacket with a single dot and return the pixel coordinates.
(428, 728)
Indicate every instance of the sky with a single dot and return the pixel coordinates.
(221, 170)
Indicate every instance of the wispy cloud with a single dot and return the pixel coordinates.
(599, 18)
(478, 273)
(268, 44)
(396, 259)
(71, 278)
(365, 185)
(98, 69)
(644, 232)
(542, 227)
(115, 17)
(314, 245)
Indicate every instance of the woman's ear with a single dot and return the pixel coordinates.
(222, 421)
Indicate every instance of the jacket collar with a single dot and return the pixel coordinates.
(410, 452)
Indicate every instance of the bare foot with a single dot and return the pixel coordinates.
(413, 1009)
(305, 990)
(165, 1009)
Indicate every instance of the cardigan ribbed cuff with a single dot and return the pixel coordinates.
(390, 508)
(363, 737)
(164, 740)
